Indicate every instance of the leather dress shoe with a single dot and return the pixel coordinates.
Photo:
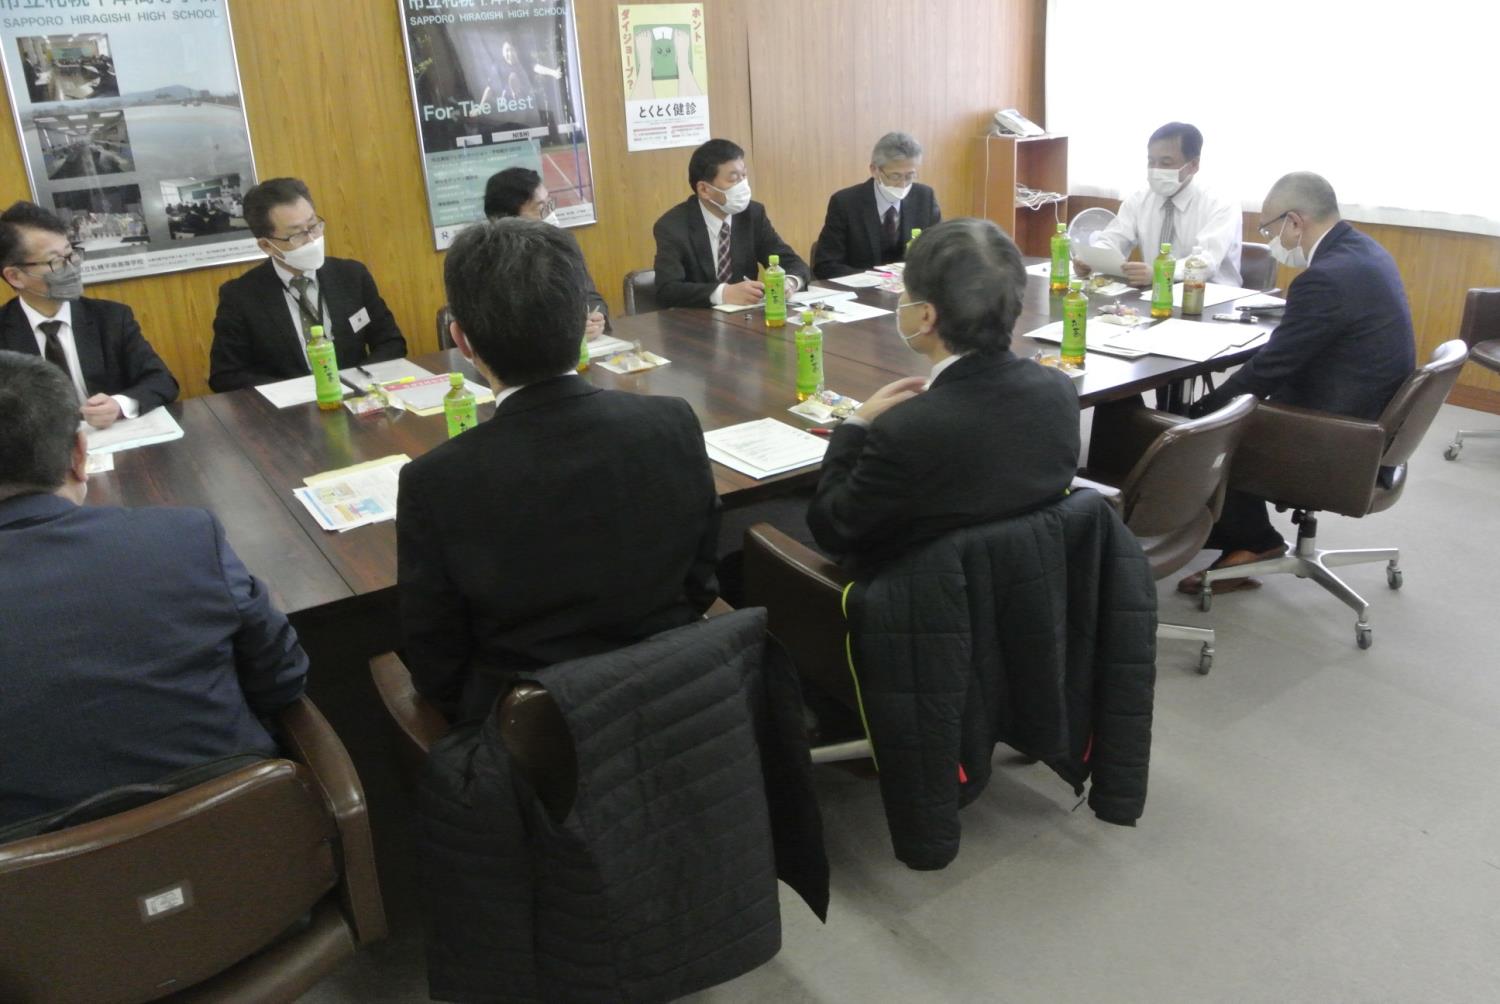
(1193, 584)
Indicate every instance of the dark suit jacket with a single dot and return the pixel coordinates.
(995, 435)
(686, 272)
(106, 682)
(574, 521)
(1345, 343)
(255, 341)
(113, 354)
(851, 239)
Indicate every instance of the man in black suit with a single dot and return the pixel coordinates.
(1344, 345)
(870, 223)
(708, 247)
(165, 663)
(574, 521)
(97, 343)
(987, 435)
(265, 316)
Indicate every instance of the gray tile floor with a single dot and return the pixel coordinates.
(1323, 823)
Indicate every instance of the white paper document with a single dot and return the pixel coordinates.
(764, 447)
(1103, 259)
(819, 294)
(297, 390)
(1213, 293)
(424, 395)
(607, 345)
(1179, 339)
(354, 496)
(156, 426)
(859, 280)
(360, 377)
(1047, 333)
(848, 310)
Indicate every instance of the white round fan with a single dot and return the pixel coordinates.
(1086, 224)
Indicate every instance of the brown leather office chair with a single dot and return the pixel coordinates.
(1172, 495)
(444, 335)
(640, 291)
(1257, 267)
(1311, 461)
(248, 887)
(1480, 330)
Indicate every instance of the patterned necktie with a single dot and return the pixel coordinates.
(54, 350)
(724, 273)
(305, 310)
(1168, 224)
(892, 234)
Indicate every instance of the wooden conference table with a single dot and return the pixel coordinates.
(241, 456)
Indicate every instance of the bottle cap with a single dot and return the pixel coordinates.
(807, 317)
(1062, 228)
(1166, 248)
(916, 232)
(455, 380)
(774, 259)
(316, 331)
(1076, 285)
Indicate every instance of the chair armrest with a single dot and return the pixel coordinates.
(1309, 459)
(803, 593)
(311, 741)
(420, 722)
(1122, 431)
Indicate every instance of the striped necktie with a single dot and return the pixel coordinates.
(723, 259)
(1168, 224)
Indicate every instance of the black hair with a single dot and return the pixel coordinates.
(707, 159)
(266, 196)
(38, 424)
(1192, 139)
(972, 275)
(508, 190)
(24, 214)
(514, 288)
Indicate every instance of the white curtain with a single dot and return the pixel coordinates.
(1392, 103)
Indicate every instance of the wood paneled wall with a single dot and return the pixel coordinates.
(1438, 267)
(328, 99)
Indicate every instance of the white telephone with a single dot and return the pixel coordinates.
(1008, 120)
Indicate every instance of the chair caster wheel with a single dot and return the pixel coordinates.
(1205, 659)
(1451, 453)
(1393, 578)
(1364, 637)
(1205, 600)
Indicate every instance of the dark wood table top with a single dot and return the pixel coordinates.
(207, 468)
(242, 457)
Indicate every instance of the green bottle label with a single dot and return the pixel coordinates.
(809, 361)
(1060, 264)
(1075, 326)
(775, 283)
(323, 362)
(460, 411)
(1162, 271)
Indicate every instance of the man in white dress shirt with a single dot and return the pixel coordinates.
(1177, 209)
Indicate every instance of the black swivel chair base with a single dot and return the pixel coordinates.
(1308, 561)
(1182, 632)
(1451, 451)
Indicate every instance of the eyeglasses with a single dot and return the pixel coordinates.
(1265, 231)
(905, 178)
(300, 237)
(75, 257)
(548, 208)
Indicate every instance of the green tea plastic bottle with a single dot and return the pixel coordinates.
(458, 406)
(1060, 260)
(775, 283)
(1163, 271)
(1075, 325)
(915, 233)
(583, 353)
(323, 361)
(809, 357)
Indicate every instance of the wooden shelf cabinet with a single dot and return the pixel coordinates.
(1038, 162)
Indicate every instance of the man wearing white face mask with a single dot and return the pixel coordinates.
(1344, 344)
(265, 317)
(987, 435)
(870, 223)
(1176, 209)
(709, 247)
(97, 343)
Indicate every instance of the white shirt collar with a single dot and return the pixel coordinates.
(939, 367)
(507, 392)
(1185, 197)
(1319, 243)
(64, 314)
(714, 223)
(883, 201)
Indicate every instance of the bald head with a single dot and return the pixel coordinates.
(1304, 193)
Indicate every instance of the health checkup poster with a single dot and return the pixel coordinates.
(665, 61)
(495, 84)
(132, 129)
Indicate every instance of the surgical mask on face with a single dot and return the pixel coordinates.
(894, 194)
(65, 283)
(907, 339)
(1164, 181)
(736, 196)
(1291, 257)
(307, 258)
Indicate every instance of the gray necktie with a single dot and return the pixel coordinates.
(1169, 224)
(305, 309)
